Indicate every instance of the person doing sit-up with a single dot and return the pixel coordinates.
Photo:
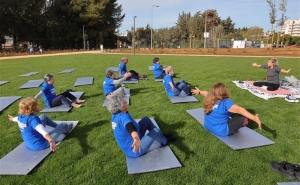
(170, 86)
(33, 128)
(218, 108)
(158, 69)
(273, 71)
(111, 86)
(130, 135)
(50, 98)
(123, 69)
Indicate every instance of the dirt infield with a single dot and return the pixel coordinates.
(276, 52)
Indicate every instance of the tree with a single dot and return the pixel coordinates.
(272, 15)
(228, 26)
(282, 8)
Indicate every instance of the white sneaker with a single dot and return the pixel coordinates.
(291, 98)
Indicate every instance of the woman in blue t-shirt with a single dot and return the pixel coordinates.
(50, 98)
(129, 134)
(33, 128)
(273, 70)
(170, 86)
(218, 108)
(158, 70)
(111, 86)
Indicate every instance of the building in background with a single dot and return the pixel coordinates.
(291, 27)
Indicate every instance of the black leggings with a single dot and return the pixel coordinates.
(271, 87)
(161, 76)
(235, 123)
(64, 98)
(134, 75)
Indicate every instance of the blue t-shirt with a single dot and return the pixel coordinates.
(157, 70)
(32, 138)
(217, 121)
(108, 86)
(49, 93)
(122, 136)
(122, 66)
(167, 86)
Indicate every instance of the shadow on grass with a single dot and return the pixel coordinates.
(253, 125)
(139, 90)
(82, 134)
(90, 96)
(172, 130)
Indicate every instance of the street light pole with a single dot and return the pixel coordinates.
(152, 22)
(83, 38)
(134, 35)
(205, 35)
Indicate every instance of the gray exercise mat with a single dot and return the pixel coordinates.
(113, 68)
(126, 98)
(288, 183)
(182, 98)
(66, 71)
(242, 139)
(32, 84)
(131, 81)
(150, 68)
(157, 158)
(159, 80)
(62, 107)
(30, 74)
(3, 82)
(22, 160)
(84, 81)
(7, 100)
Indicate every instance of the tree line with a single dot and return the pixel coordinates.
(59, 24)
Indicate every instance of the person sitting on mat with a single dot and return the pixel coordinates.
(33, 129)
(217, 110)
(50, 98)
(158, 70)
(273, 71)
(123, 69)
(111, 86)
(130, 135)
(170, 86)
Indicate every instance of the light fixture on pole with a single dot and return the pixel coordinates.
(83, 38)
(134, 35)
(152, 22)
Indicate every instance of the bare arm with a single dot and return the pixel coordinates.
(285, 71)
(136, 141)
(172, 86)
(38, 95)
(198, 91)
(240, 110)
(255, 64)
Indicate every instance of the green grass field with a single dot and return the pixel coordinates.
(90, 155)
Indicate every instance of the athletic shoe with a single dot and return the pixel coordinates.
(296, 170)
(291, 98)
(285, 168)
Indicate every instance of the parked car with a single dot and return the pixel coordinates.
(223, 46)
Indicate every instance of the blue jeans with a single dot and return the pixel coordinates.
(59, 129)
(181, 86)
(154, 134)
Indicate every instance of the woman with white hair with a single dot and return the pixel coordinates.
(170, 86)
(273, 71)
(111, 86)
(129, 134)
(50, 98)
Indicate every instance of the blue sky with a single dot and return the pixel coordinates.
(244, 13)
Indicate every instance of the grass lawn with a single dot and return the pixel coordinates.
(90, 155)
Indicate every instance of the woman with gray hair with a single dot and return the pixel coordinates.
(170, 86)
(111, 86)
(129, 134)
(273, 71)
(50, 98)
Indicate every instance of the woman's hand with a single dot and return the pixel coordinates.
(10, 118)
(288, 70)
(257, 120)
(136, 144)
(254, 64)
(53, 146)
(195, 91)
